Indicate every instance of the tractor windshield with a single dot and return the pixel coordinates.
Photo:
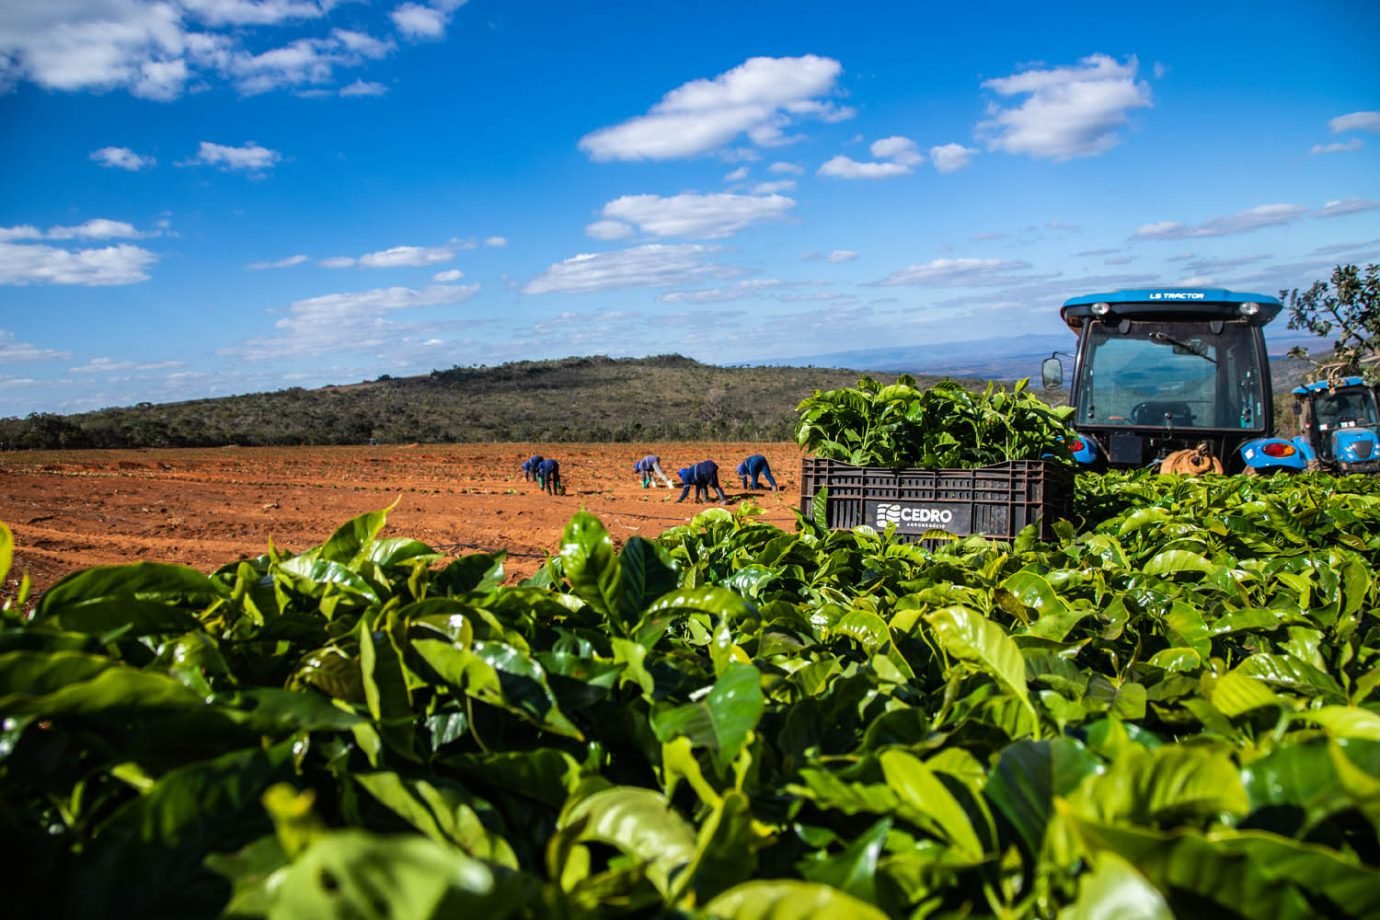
(1171, 374)
(1345, 408)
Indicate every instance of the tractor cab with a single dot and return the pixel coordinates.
(1156, 371)
(1339, 425)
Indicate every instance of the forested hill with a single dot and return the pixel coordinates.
(571, 399)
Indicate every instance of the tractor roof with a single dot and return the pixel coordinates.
(1323, 386)
(1173, 302)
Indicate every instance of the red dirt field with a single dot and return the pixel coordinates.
(208, 507)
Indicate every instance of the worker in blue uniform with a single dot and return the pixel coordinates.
(755, 467)
(549, 477)
(703, 476)
(648, 467)
(529, 467)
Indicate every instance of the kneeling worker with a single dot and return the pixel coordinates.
(703, 476)
(756, 466)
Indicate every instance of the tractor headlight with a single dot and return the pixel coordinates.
(1101, 309)
(1250, 308)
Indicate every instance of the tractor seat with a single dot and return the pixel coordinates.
(1153, 413)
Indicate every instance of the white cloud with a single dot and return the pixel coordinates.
(122, 158)
(12, 350)
(289, 262)
(111, 366)
(159, 50)
(743, 290)
(898, 150)
(696, 216)
(651, 265)
(1257, 218)
(495, 242)
(772, 188)
(249, 158)
(738, 175)
(1070, 111)
(1347, 206)
(957, 273)
(424, 20)
(842, 255)
(609, 230)
(406, 257)
(29, 264)
(1341, 147)
(254, 12)
(448, 277)
(789, 169)
(1356, 121)
(761, 98)
(337, 262)
(97, 229)
(361, 88)
(354, 321)
(949, 158)
(842, 167)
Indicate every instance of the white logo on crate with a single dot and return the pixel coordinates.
(903, 514)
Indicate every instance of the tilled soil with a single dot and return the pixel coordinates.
(208, 507)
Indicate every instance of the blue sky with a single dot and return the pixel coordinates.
(210, 197)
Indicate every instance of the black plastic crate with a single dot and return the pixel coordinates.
(996, 501)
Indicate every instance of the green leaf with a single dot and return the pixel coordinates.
(6, 551)
(854, 869)
(1165, 784)
(1345, 722)
(352, 539)
(927, 803)
(1114, 890)
(969, 636)
(722, 720)
(1028, 776)
(146, 598)
(441, 811)
(786, 899)
(1177, 560)
(639, 823)
(355, 874)
(52, 683)
(594, 572)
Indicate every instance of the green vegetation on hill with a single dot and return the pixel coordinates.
(571, 399)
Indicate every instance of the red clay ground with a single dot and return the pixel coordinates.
(208, 507)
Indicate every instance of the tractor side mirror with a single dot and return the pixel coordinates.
(1052, 372)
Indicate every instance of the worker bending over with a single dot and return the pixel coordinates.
(650, 466)
(529, 467)
(549, 477)
(703, 476)
(754, 467)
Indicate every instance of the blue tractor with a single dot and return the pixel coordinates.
(1339, 427)
(1162, 370)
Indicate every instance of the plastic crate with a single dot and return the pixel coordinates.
(996, 501)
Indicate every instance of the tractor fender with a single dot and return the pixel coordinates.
(1275, 455)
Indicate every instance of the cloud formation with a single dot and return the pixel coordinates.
(33, 264)
(1067, 112)
(1256, 218)
(355, 321)
(424, 21)
(289, 262)
(1349, 146)
(893, 156)
(160, 50)
(690, 215)
(761, 98)
(250, 158)
(958, 273)
(122, 158)
(949, 158)
(13, 351)
(1356, 121)
(652, 265)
